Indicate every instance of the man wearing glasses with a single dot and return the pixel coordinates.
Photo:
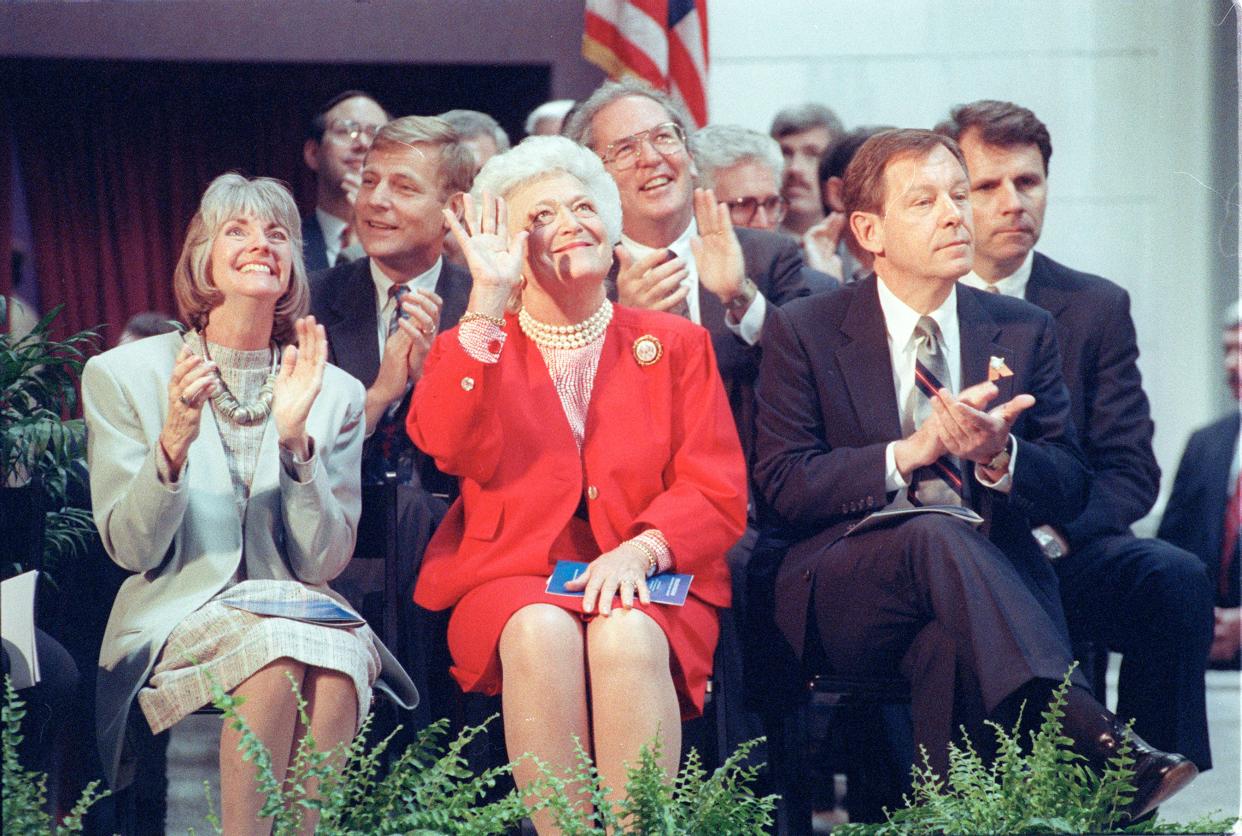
(337, 139)
(744, 169)
(662, 264)
(640, 133)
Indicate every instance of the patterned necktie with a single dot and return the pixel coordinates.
(342, 257)
(939, 483)
(395, 293)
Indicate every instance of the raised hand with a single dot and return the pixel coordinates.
(495, 257)
(193, 381)
(622, 570)
(717, 254)
(819, 245)
(350, 183)
(653, 282)
(298, 383)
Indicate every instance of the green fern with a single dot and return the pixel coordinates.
(25, 791)
(1046, 788)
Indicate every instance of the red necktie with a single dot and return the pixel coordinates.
(1229, 542)
(341, 256)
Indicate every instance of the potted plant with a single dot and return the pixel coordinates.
(41, 446)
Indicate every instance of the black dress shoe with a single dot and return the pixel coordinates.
(1098, 734)
(1157, 776)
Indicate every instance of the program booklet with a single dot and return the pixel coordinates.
(665, 589)
(886, 516)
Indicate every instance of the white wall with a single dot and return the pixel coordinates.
(1125, 89)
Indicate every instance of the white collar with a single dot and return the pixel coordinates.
(680, 245)
(426, 280)
(900, 319)
(332, 227)
(1012, 285)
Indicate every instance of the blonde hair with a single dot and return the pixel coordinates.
(456, 162)
(229, 196)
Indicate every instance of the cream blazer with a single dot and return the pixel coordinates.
(186, 542)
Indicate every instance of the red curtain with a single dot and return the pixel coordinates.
(115, 156)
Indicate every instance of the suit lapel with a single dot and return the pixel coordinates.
(979, 333)
(867, 368)
(356, 348)
(1042, 288)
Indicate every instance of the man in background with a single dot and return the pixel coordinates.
(1146, 599)
(337, 138)
(479, 132)
(1205, 508)
(804, 134)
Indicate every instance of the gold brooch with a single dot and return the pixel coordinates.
(647, 350)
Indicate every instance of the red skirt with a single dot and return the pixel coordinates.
(481, 615)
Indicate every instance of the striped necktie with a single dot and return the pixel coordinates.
(395, 293)
(342, 257)
(939, 483)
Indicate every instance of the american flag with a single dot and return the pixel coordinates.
(661, 41)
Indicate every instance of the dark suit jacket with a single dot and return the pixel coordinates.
(314, 248)
(1107, 402)
(827, 410)
(1195, 516)
(343, 300)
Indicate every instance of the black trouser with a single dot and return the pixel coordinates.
(1151, 602)
(933, 600)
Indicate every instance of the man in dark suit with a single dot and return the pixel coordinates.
(857, 412)
(383, 311)
(1144, 598)
(1203, 516)
(337, 138)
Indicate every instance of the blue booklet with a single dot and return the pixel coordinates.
(665, 589)
(316, 611)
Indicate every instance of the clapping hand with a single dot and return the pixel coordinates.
(717, 253)
(495, 257)
(297, 385)
(194, 380)
(970, 433)
(655, 281)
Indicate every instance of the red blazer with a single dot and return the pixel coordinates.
(660, 451)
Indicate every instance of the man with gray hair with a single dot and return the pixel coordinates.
(640, 133)
(479, 132)
(804, 133)
(547, 119)
(744, 168)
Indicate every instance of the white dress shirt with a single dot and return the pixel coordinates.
(899, 322)
(1012, 285)
(750, 328)
(332, 227)
(385, 304)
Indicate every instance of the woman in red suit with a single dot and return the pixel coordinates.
(581, 431)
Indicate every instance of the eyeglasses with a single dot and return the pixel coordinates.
(348, 129)
(744, 209)
(666, 139)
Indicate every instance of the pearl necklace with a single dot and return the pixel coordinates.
(566, 336)
(226, 403)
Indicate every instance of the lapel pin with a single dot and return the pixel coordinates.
(647, 350)
(997, 369)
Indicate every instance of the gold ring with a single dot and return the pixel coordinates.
(184, 401)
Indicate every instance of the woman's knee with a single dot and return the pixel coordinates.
(538, 634)
(627, 640)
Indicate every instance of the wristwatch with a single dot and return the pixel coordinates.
(999, 462)
(744, 296)
(1049, 545)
